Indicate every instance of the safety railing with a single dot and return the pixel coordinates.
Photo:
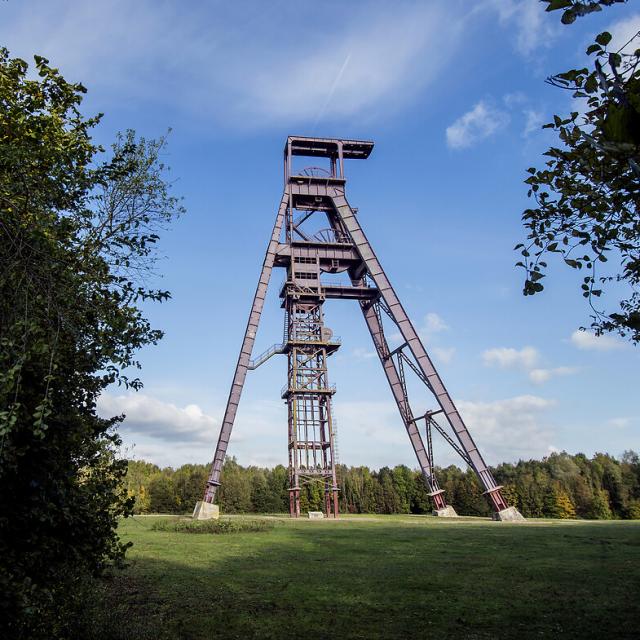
(263, 357)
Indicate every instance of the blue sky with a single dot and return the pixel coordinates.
(453, 95)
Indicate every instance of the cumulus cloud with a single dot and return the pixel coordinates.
(363, 354)
(169, 435)
(531, 30)
(160, 420)
(589, 341)
(525, 359)
(623, 31)
(509, 429)
(444, 354)
(433, 323)
(371, 432)
(619, 423)
(509, 358)
(479, 123)
(533, 122)
(539, 376)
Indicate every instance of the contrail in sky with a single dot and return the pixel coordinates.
(331, 92)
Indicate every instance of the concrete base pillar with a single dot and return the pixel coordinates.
(447, 512)
(510, 514)
(206, 511)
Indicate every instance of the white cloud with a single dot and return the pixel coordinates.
(533, 118)
(540, 376)
(509, 429)
(623, 31)
(371, 432)
(168, 435)
(433, 323)
(386, 53)
(481, 122)
(363, 354)
(509, 358)
(525, 359)
(588, 341)
(531, 28)
(619, 423)
(533, 122)
(231, 61)
(444, 354)
(515, 99)
(160, 420)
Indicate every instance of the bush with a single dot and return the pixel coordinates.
(74, 253)
(212, 526)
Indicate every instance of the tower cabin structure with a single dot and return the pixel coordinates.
(309, 254)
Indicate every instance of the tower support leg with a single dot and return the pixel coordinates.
(294, 503)
(245, 354)
(327, 503)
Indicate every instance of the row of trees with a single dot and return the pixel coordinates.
(559, 486)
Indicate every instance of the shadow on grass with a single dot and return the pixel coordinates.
(351, 580)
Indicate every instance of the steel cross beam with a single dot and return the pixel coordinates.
(245, 353)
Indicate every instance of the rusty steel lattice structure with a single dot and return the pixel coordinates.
(340, 247)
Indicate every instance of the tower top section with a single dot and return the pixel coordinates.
(335, 149)
(329, 147)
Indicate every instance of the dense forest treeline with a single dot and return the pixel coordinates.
(558, 486)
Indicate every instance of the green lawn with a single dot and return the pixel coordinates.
(386, 577)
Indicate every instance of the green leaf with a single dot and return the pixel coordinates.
(603, 38)
(591, 85)
(554, 5)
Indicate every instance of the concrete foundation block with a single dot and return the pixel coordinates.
(206, 511)
(447, 512)
(510, 514)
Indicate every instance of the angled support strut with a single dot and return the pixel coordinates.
(426, 368)
(245, 354)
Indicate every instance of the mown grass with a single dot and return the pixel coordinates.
(384, 577)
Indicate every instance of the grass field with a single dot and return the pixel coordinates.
(384, 577)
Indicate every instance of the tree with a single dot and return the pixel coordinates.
(162, 494)
(235, 488)
(572, 9)
(420, 500)
(600, 509)
(564, 507)
(71, 257)
(260, 502)
(588, 192)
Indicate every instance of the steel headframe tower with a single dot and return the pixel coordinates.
(340, 247)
